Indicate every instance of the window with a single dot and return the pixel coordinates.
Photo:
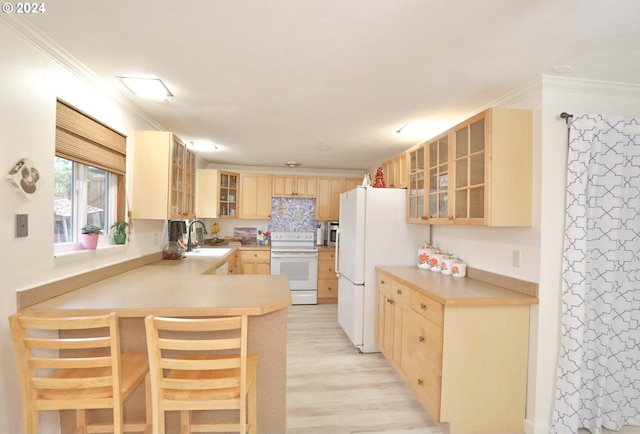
(89, 175)
(83, 195)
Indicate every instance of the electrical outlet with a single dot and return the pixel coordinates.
(22, 225)
(515, 258)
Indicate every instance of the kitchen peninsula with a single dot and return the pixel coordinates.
(183, 289)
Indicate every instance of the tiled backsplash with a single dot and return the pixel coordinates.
(293, 215)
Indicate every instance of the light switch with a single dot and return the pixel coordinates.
(22, 225)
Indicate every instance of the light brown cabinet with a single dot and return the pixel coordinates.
(328, 196)
(351, 183)
(255, 198)
(327, 279)
(162, 159)
(437, 180)
(416, 212)
(255, 261)
(294, 186)
(477, 173)
(217, 193)
(465, 360)
(393, 309)
(395, 171)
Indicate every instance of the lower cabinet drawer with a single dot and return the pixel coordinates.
(427, 388)
(427, 307)
(424, 341)
(328, 288)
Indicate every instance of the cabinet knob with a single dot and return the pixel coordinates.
(421, 338)
(450, 217)
(420, 382)
(423, 306)
(399, 291)
(389, 301)
(382, 282)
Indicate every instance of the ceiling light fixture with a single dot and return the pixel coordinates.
(204, 146)
(413, 129)
(292, 164)
(147, 87)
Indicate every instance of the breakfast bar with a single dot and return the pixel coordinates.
(184, 289)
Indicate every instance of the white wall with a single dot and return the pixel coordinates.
(30, 82)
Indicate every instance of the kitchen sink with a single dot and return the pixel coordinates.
(214, 251)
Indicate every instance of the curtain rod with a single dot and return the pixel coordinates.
(566, 116)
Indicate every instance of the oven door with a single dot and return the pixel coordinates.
(300, 267)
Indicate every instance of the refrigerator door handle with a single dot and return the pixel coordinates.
(337, 253)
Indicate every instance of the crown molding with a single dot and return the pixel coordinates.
(62, 57)
(580, 85)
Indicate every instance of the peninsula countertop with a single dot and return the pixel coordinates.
(182, 288)
(177, 288)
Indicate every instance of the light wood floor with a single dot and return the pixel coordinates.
(334, 389)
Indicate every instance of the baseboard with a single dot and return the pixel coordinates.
(531, 428)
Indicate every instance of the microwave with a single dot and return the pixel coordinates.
(332, 233)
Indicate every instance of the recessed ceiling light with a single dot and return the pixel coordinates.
(292, 164)
(146, 87)
(204, 146)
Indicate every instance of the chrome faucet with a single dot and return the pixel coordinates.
(204, 228)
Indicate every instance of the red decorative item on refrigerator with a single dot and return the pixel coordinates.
(379, 179)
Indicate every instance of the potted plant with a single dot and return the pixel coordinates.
(119, 232)
(89, 237)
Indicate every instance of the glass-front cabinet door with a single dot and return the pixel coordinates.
(416, 211)
(469, 160)
(182, 193)
(228, 195)
(189, 197)
(438, 180)
(176, 210)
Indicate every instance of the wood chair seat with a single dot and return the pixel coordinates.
(203, 375)
(75, 363)
(134, 365)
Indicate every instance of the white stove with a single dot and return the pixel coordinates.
(294, 254)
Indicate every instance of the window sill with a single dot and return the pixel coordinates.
(79, 254)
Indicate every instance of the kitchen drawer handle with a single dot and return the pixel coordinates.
(420, 382)
(399, 291)
(423, 306)
(389, 301)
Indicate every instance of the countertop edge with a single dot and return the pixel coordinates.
(507, 296)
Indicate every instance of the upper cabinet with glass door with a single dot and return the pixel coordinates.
(437, 190)
(478, 173)
(492, 169)
(416, 211)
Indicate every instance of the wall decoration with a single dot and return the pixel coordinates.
(23, 178)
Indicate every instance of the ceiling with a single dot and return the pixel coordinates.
(327, 83)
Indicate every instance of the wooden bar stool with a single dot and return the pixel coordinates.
(201, 364)
(75, 363)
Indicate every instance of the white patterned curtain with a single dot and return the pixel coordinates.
(598, 384)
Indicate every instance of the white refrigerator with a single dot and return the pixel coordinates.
(373, 231)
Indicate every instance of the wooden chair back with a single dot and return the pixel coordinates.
(74, 363)
(201, 364)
